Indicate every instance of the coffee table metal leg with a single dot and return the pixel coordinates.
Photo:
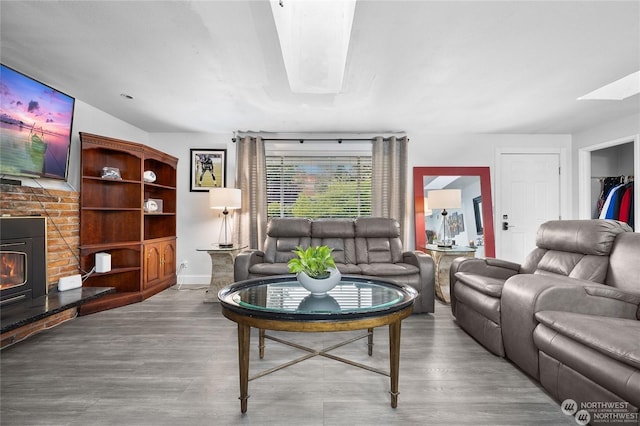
(244, 340)
(394, 360)
(370, 341)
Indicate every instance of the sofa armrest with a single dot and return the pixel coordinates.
(243, 261)
(488, 267)
(525, 294)
(614, 293)
(425, 265)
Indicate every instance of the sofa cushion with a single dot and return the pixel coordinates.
(283, 236)
(388, 269)
(269, 269)
(339, 235)
(574, 248)
(617, 338)
(289, 227)
(343, 249)
(486, 285)
(574, 265)
(280, 250)
(594, 237)
(333, 228)
(376, 227)
(348, 268)
(624, 267)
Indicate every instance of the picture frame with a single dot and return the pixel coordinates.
(208, 169)
(455, 223)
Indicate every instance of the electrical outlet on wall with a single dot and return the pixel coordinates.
(184, 264)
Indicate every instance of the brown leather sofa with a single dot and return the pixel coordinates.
(362, 246)
(573, 322)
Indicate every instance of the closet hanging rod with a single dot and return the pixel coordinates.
(605, 177)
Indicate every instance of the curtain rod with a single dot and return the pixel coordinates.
(302, 140)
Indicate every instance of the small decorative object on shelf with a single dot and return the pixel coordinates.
(111, 173)
(149, 176)
(153, 205)
(315, 269)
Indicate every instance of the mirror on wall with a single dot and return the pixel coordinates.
(471, 223)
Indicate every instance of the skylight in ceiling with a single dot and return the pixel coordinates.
(314, 39)
(618, 90)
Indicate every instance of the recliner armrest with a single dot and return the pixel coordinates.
(243, 261)
(417, 259)
(488, 267)
(425, 265)
(614, 293)
(525, 294)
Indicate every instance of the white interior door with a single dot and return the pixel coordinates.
(529, 195)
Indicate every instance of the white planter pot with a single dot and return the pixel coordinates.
(319, 287)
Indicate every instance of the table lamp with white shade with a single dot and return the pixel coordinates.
(445, 199)
(427, 209)
(225, 199)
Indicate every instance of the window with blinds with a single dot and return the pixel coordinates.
(318, 187)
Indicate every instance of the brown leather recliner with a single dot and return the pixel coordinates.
(570, 248)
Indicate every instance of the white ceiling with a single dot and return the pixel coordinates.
(414, 66)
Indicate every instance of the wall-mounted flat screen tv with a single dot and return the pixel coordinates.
(35, 127)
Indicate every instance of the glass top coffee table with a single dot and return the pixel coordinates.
(281, 303)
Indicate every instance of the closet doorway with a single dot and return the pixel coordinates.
(600, 164)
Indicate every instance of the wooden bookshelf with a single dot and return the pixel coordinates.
(113, 219)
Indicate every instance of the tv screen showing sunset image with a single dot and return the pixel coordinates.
(35, 127)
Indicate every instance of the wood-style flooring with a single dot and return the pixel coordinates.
(172, 360)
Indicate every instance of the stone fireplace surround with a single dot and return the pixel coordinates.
(61, 209)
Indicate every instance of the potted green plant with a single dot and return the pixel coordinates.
(315, 269)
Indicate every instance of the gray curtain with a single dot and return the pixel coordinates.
(251, 220)
(389, 181)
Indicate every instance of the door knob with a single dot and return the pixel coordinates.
(506, 226)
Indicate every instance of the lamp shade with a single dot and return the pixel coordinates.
(427, 209)
(445, 199)
(225, 198)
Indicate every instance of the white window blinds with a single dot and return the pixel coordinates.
(318, 187)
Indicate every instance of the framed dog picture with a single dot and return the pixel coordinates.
(208, 169)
